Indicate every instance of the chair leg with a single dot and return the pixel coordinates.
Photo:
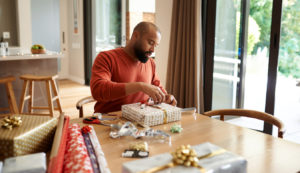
(81, 112)
(11, 98)
(54, 88)
(30, 101)
(23, 95)
(222, 117)
(50, 103)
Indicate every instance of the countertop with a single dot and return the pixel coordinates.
(48, 55)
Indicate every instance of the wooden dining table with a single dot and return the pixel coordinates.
(263, 152)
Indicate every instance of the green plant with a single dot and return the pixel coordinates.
(289, 54)
(37, 46)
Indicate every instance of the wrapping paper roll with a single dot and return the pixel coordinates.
(56, 158)
(99, 152)
(76, 155)
(91, 152)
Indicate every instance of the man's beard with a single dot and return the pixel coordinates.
(141, 55)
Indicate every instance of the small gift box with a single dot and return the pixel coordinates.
(31, 163)
(35, 134)
(206, 158)
(151, 115)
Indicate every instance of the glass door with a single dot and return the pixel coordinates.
(104, 29)
(108, 24)
(226, 56)
(239, 67)
(287, 100)
(257, 62)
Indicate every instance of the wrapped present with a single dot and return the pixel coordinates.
(201, 158)
(35, 134)
(151, 115)
(1, 165)
(31, 163)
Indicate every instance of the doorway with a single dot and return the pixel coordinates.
(109, 24)
(241, 54)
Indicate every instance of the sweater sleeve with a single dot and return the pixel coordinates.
(102, 88)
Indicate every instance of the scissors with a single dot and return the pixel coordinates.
(97, 120)
(91, 120)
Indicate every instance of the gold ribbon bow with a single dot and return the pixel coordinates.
(185, 156)
(10, 122)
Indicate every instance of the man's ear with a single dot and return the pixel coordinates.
(135, 35)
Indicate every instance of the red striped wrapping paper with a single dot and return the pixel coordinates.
(76, 155)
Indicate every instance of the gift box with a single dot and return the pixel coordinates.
(211, 159)
(35, 134)
(31, 163)
(151, 115)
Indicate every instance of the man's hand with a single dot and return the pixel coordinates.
(153, 91)
(170, 99)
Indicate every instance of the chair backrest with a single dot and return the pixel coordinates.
(83, 101)
(251, 114)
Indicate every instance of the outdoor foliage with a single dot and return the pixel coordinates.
(289, 58)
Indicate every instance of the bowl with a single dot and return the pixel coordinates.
(38, 51)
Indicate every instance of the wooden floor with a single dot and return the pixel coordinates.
(70, 92)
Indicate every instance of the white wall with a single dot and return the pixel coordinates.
(45, 23)
(75, 45)
(142, 6)
(163, 16)
(63, 72)
(24, 18)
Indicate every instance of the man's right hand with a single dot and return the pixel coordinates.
(153, 91)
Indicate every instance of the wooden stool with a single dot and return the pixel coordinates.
(49, 80)
(10, 95)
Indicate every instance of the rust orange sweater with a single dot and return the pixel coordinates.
(111, 71)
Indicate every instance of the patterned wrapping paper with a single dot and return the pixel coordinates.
(151, 116)
(225, 162)
(99, 152)
(91, 152)
(34, 135)
(76, 155)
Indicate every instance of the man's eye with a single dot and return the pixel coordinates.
(151, 43)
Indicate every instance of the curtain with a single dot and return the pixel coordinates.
(184, 75)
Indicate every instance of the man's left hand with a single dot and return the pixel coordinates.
(170, 99)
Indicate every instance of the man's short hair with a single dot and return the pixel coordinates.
(143, 27)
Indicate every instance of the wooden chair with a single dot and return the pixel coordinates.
(29, 85)
(83, 101)
(250, 114)
(13, 108)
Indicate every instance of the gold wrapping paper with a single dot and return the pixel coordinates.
(34, 135)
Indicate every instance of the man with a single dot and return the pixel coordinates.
(127, 75)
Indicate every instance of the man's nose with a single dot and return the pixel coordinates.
(151, 49)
